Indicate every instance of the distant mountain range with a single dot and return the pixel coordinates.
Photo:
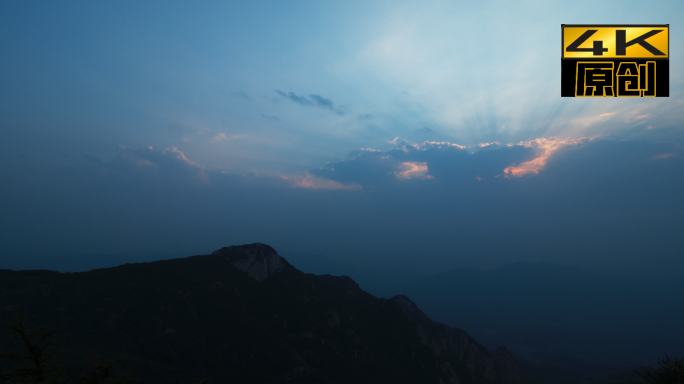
(559, 317)
(245, 315)
(562, 323)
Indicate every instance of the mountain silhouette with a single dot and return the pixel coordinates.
(243, 314)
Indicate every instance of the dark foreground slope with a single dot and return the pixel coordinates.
(245, 315)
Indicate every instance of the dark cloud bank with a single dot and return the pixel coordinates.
(615, 206)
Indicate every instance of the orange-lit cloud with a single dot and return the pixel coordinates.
(199, 169)
(482, 145)
(177, 154)
(309, 181)
(637, 118)
(547, 147)
(663, 156)
(413, 170)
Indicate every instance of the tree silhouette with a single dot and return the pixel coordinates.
(103, 372)
(205, 381)
(39, 363)
(670, 371)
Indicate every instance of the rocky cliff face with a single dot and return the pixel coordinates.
(259, 261)
(455, 344)
(506, 367)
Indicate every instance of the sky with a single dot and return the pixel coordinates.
(413, 137)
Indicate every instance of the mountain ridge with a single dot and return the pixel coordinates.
(244, 314)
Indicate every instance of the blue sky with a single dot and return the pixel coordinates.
(371, 131)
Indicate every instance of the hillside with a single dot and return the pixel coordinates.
(245, 315)
(566, 321)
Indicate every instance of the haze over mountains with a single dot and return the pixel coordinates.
(561, 323)
(570, 320)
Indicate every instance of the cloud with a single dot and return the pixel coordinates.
(172, 165)
(322, 102)
(222, 137)
(421, 165)
(663, 156)
(218, 138)
(636, 117)
(413, 169)
(444, 161)
(241, 95)
(425, 130)
(589, 121)
(270, 117)
(316, 101)
(309, 181)
(547, 147)
(368, 168)
(297, 99)
(175, 153)
(148, 164)
(437, 144)
(253, 180)
(492, 144)
(372, 168)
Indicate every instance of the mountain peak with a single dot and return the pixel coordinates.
(258, 260)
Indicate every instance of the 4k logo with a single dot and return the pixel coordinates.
(620, 42)
(615, 60)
